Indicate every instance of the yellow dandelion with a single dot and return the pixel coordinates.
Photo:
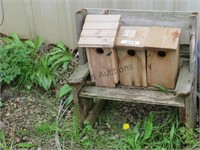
(126, 126)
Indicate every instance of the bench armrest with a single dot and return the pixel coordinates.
(79, 75)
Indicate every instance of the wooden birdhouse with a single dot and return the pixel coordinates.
(162, 45)
(131, 55)
(98, 37)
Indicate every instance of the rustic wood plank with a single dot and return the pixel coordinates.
(102, 18)
(101, 25)
(79, 19)
(102, 67)
(185, 81)
(96, 42)
(162, 70)
(132, 36)
(132, 69)
(130, 95)
(114, 63)
(97, 33)
(79, 75)
(95, 111)
(164, 38)
(89, 58)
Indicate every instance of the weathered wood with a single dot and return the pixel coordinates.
(99, 18)
(132, 37)
(191, 109)
(96, 42)
(162, 45)
(83, 105)
(164, 38)
(185, 81)
(79, 75)
(89, 58)
(79, 18)
(131, 55)
(129, 95)
(95, 111)
(132, 69)
(94, 32)
(101, 25)
(114, 63)
(99, 33)
(102, 70)
(151, 18)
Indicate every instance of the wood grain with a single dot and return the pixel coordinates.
(79, 75)
(185, 81)
(96, 42)
(102, 68)
(97, 33)
(105, 18)
(164, 38)
(101, 25)
(132, 69)
(130, 95)
(162, 70)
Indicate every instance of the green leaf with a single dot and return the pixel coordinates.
(66, 89)
(60, 45)
(38, 43)
(26, 145)
(172, 132)
(148, 127)
(69, 100)
(8, 40)
(30, 43)
(161, 87)
(61, 60)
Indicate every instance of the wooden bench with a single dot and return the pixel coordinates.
(90, 99)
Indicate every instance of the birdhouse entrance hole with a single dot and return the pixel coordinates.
(99, 50)
(131, 52)
(161, 53)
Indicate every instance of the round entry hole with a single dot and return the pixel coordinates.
(99, 50)
(131, 52)
(161, 53)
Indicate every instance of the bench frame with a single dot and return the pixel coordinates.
(89, 99)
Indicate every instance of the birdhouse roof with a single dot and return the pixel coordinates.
(166, 38)
(132, 36)
(99, 31)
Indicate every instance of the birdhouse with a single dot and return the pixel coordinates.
(131, 55)
(98, 37)
(162, 45)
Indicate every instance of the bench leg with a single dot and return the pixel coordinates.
(83, 105)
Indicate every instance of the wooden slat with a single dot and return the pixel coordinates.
(96, 42)
(96, 33)
(79, 18)
(101, 25)
(103, 18)
(130, 95)
(163, 38)
(79, 75)
(95, 111)
(114, 62)
(184, 82)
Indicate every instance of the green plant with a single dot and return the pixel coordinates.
(17, 58)
(166, 135)
(4, 145)
(21, 62)
(46, 129)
